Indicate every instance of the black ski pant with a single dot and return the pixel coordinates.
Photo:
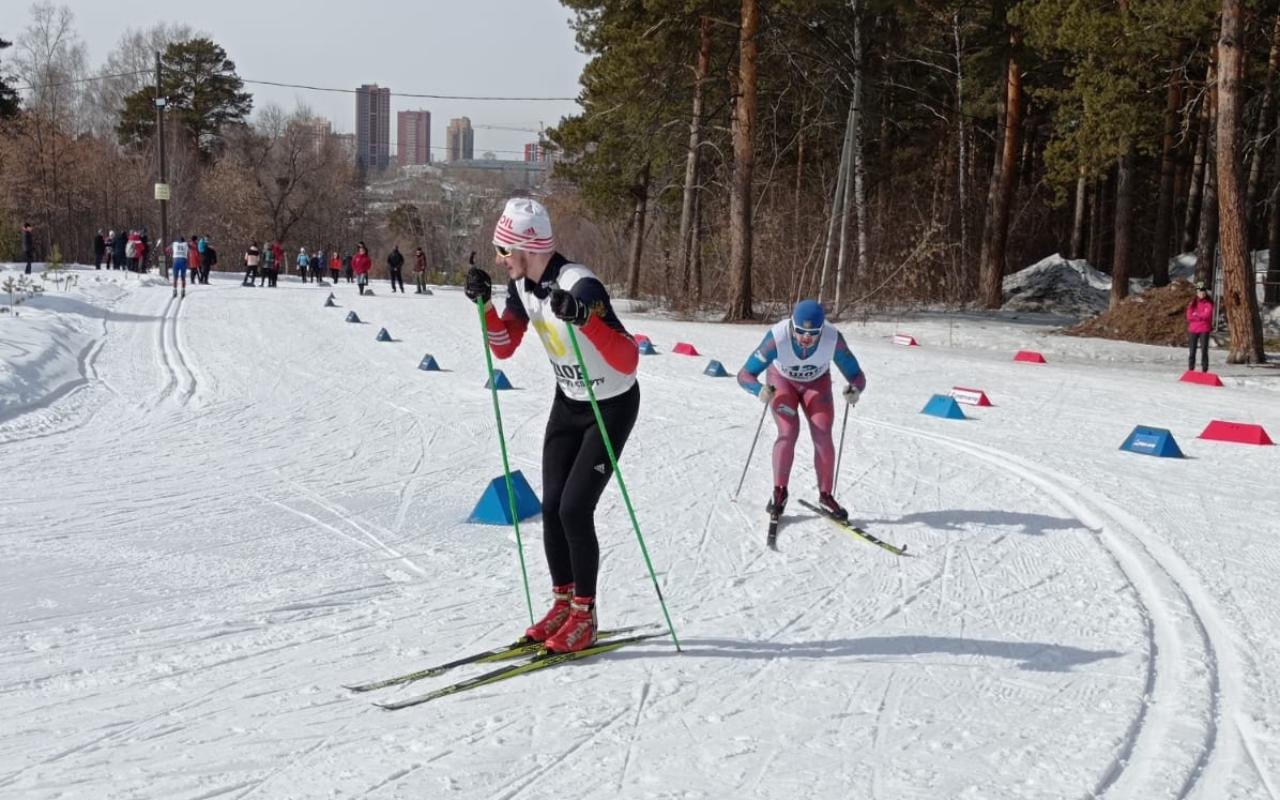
(29, 256)
(333, 276)
(575, 470)
(396, 277)
(1202, 341)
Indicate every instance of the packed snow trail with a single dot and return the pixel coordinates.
(247, 503)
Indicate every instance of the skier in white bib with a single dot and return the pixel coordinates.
(549, 293)
(179, 251)
(798, 354)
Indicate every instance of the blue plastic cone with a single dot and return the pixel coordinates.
(352, 317)
(329, 303)
(499, 381)
(1152, 442)
(646, 348)
(428, 363)
(715, 369)
(383, 336)
(494, 507)
(945, 406)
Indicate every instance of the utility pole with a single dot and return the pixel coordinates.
(162, 186)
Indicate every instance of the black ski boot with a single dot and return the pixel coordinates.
(778, 502)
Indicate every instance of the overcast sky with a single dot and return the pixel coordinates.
(510, 48)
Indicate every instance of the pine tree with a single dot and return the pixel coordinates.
(204, 96)
(8, 95)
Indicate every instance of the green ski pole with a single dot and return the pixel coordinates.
(502, 443)
(622, 485)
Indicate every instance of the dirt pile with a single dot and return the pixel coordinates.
(1157, 316)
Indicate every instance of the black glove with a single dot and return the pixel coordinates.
(479, 285)
(569, 308)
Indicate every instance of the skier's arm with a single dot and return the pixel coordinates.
(749, 375)
(603, 328)
(506, 332)
(847, 363)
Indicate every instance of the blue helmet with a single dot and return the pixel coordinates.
(808, 316)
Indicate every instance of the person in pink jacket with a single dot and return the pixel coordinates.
(1199, 323)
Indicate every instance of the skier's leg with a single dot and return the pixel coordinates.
(587, 480)
(560, 445)
(819, 409)
(786, 410)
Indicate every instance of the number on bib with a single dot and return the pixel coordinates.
(550, 338)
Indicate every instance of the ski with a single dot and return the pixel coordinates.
(540, 661)
(517, 649)
(772, 539)
(854, 530)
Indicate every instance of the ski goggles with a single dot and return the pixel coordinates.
(503, 252)
(810, 332)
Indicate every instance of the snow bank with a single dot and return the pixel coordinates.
(1058, 285)
(46, 341)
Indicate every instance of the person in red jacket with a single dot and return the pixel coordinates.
(548, 292)
(1199, 323)
(360, 264)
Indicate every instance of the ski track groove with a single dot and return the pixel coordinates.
(349, 518)
(187, 378)
(162, 351)
(1246, 738)
(529, 778)
(635, 725)
(1147, 562)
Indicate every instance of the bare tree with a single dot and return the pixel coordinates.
(1168, 167)
(1243, 320)
(51, 61)
(1122, 247)
(130, 65)
(992, 275)
(740, 198)
(691, 178)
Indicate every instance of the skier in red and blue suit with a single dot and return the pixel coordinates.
(798, 354)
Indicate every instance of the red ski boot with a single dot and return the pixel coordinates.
(579, 631)
(551, 622)
(832, 507)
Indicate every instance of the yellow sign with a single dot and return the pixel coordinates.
(162, 191)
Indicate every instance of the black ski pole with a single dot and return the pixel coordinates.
(752, 452)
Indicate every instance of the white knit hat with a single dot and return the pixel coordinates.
(526, 226)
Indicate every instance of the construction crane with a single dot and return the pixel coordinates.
(537, 130)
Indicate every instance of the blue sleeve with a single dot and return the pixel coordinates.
(764, 355)
(847, 363)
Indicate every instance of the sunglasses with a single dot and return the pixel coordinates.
(503, 252)
(808, 331)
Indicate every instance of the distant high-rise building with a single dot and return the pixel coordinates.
(346, 144)
(413, 137)
(317, 130)
(460, 139)
(536, 151)
(373, 127)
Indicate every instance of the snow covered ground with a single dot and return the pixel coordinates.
(217, 512)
